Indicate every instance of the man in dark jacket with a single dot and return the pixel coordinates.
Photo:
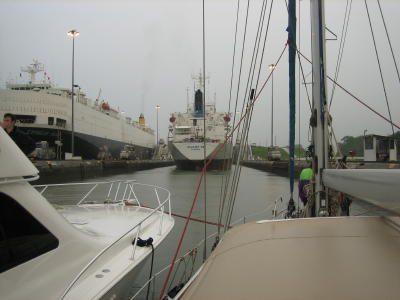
(24, 141)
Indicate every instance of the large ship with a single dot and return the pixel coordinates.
(186, 136)
(45, 113)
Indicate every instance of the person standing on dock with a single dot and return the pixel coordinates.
(24, 141)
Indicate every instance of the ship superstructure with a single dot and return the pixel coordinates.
(186, 139)
(44, 112)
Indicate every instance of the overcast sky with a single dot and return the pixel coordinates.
(144, 53)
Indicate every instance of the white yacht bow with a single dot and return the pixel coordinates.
(85, 250)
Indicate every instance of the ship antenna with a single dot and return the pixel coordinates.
(32, 69)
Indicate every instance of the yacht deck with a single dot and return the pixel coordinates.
(320, 258)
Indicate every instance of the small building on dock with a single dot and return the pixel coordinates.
(381, 148)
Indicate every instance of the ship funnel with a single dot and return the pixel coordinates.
(141, 119)
(198, 104)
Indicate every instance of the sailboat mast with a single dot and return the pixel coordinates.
(292, 94)
(319, 111)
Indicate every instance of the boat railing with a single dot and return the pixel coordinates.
(120, 192)
(117, 191)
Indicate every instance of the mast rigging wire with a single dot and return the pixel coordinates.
(388, 38)
(255, 52)
(234, 117)
(304, 80)
(201, 179)
(226, 177)
(241, 62)
(343, 36)
(233, 56)
(379, 65)
(240, 73)
(353, 96)
(246, 127)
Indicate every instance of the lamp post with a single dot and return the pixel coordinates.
(72, 33)
(157, 108)
(272, 67)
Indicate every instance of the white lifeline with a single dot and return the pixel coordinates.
(85, 254)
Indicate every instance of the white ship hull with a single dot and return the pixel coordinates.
(189, 130)
(93, 127)
(190, 155)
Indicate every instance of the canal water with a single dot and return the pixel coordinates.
(256, 195)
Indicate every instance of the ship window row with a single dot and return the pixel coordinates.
(183, 130)
(26, 119)
(22, 237)
(29, 88)
(59, 122)
(32, 109)
(36, 100)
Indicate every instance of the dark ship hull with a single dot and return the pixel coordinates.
(86, 146)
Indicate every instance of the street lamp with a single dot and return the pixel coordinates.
(157, 108)
(72, 33)
(272, 67)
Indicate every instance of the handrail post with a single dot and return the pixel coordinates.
(87, 194)
(169, 205)
(126, 187)
(117, 191)
(45, 188)
(136, 239)
(158, 198)
(134, 194)
(109, 192)
(161, 211)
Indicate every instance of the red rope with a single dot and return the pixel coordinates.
(202, 175)
(366, 105)
(180, 216)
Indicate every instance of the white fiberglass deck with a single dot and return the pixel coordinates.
(107, 221)
(320, 258)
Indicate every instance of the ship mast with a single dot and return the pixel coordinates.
(32, 69)
(199, 82)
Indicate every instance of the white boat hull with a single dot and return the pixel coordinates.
(190, 155)
(93, 127)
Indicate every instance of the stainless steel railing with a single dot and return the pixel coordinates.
(119, 192)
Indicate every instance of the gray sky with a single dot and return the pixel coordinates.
(144, 53)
